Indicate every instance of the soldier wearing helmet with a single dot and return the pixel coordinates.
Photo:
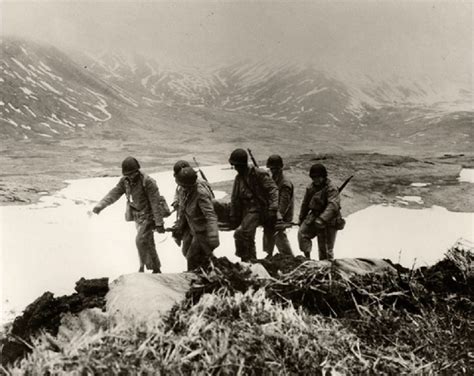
(275, 236)
(320, 209)
(198, 217)
(143, 207)
(183, 236)
(254, 202)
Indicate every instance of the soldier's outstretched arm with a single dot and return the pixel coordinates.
(113, 195)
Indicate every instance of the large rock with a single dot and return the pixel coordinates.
(360, 266)
(142, 298)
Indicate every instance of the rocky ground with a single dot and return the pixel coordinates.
(383, 162)
(378, 178)
(311, 317)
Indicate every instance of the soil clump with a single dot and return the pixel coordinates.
(45, 313)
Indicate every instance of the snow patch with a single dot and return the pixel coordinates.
(14, 108)
(28, 109)
(26, 91)
(49, 127)
(467, 175)
(47, 70)
(28, 71)
(48, 86)
(315, 91)
(416, 199)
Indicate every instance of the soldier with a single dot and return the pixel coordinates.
(182, 236)
(272, 236)
(197, 215)
(254, 202)
(319, 213)
(143, 207)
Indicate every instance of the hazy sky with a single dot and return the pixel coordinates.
(384, 36)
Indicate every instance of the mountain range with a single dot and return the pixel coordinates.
(48, 93)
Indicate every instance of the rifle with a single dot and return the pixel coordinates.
(199, 169)
(345, 183)
(284, 225)
(252, 158)
(201, 172)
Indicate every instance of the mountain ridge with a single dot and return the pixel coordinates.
(48, 93)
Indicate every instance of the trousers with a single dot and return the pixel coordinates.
(272, 238)
(326, 240)
(145, 243)
(244, 236)
(199, 252)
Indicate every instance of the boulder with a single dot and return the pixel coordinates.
(142, 298)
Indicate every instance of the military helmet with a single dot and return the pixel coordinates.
(318, 170)
(186, 177)
(178, 166)
(239, 157)
(274, 161)
(130, 165)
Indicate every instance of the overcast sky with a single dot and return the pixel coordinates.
(368, 36)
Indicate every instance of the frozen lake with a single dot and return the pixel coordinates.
(467, 175)
(50, 245)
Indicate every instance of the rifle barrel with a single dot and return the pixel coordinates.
(252, 158)
(345, 183)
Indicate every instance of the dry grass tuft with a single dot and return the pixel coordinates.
(312, 320)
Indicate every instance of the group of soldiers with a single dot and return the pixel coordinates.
(258, 199)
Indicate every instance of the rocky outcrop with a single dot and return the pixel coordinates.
(45, 314)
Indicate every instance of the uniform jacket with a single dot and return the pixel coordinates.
(323, 202)
(143, 195)
(179, 196)
(198, 212)
(285, 197)
(263, 186)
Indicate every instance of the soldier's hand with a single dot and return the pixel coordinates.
(160, 229)
(272, 218)
(319, 223)
(177, 235)
(233, 223)
(96, 210)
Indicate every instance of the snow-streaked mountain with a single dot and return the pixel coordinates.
(47, 93)
(296, 93)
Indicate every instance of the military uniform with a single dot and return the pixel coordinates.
(198, 219)
(178, 203)
(253, 196)
(271, 236)
(146, 211)
(321, 202)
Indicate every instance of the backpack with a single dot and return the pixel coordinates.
(165, 210)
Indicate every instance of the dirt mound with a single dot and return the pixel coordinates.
(45, 313)
(342, 287)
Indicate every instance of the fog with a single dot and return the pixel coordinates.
(384, 37)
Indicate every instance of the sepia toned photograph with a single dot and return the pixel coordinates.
(236, 187)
